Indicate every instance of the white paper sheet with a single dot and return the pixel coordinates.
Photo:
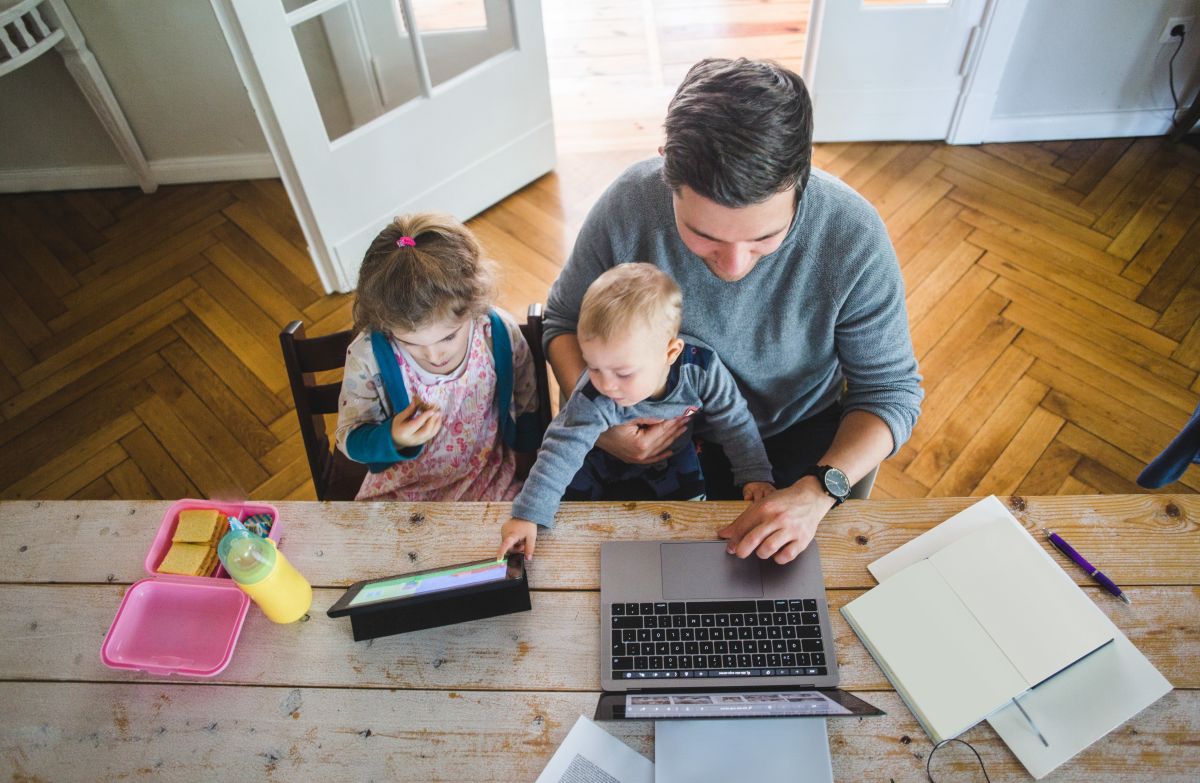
(589, 754)
(1074, 708)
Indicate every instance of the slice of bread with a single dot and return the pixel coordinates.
(197, 525)
(186, 559)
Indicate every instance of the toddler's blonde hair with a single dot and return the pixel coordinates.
(440, 274)
(627, 297)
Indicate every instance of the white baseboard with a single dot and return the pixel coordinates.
(170, 171)
(1101, 125)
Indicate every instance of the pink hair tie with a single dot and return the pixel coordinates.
(406, 242)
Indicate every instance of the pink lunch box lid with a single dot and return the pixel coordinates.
(189, 625)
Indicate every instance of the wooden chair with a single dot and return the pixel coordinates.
(334, 475)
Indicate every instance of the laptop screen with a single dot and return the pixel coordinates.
(742, 703)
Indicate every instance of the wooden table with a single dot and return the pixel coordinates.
(492, 700)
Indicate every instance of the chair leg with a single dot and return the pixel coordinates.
(84, 69)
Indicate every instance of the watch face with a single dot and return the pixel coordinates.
(837, 483)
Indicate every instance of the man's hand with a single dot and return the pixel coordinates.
(517, 535)
(781, 525)
(757, 490)
(644, 441)
(415, 425)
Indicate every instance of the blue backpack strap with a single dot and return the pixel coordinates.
(502, 356)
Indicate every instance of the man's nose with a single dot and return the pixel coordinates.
(734, 259)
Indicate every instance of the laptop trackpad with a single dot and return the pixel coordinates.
(704, 570)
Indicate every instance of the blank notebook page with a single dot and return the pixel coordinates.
(940, 658)
(1028, 605)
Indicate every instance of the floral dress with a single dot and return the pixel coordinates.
(467, 459)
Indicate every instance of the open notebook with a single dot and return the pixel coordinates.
(979, 622)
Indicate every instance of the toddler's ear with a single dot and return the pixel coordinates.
(674, 348)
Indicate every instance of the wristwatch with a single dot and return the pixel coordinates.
(833, 481)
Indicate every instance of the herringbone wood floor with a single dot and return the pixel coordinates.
(1053, 292)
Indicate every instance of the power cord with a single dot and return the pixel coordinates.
(1182, 34)
(929, 758)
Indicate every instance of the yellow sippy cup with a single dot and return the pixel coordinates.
(264, 574)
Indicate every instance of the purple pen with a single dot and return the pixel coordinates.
(1078, 559)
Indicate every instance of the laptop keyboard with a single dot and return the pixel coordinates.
(703, 639)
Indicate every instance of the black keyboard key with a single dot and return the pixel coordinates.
(735, 620)
(622, 664)
(750, 646)
(627, 622)
(618, 648)
(691, 648)
(693, 621)
(660, 607)
(670, 662)
(802, 659)
(779, 645)
(795, 605)
(809, 618)
(643, 634)
(702, 634)
(813, 645)
(715, 607)
(729, 661)
(685, 662)
(779, 618)
(765, 606)
(759, 660)
(788, 632)
(662, 648)
(751, 619)
(793, 645)
(629, 635)
(678, 621)
(764, 618)
(676, 607)
(708, 620)
(618, 609)
(789, 659)
(676, 648)
(658, 635)
(673, 635)
(714, 662)
(646, 608)
(808, 631)
(641, 662)
(720, 648)
(810, 604)
(688, 634)
(631, 608)
(774, 632)
(793, 618)
(773, 660)
(656, 662)
(735, 646)
(650, 621)
(722, 620)
(760, 633)
(743, 661)
(781, 605)
(706, 648)
(745, 633)
(818, 659)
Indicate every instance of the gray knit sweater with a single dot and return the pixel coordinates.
(825, 310)
(697, 382)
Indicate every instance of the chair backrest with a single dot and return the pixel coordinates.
(335, 476)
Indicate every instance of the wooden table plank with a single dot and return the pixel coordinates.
(92, 731)
(1136, 539)
(55, 633)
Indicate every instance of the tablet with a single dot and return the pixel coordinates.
(438, 596)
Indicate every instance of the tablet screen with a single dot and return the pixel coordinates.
(399, 587)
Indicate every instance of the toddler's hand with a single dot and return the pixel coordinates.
(517, 535)
(415, 425)
(757, 490)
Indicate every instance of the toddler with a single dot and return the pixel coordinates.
(438, 396)
(638, 367)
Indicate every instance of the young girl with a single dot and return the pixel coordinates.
(438, 396)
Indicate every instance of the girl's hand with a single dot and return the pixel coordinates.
(414, 426)
(756, 490)
(517, 535)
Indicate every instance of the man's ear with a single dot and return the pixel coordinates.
(662, 151)
(674, 348)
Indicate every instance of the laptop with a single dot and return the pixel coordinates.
(689, 631)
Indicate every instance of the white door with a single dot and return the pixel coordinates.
(377, 107)
(887, 69)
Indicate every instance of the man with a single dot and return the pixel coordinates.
(791, 278)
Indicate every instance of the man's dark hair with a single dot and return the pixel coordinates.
(739, 131)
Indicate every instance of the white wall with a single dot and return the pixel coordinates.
(1093, 68)
(171, 70)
